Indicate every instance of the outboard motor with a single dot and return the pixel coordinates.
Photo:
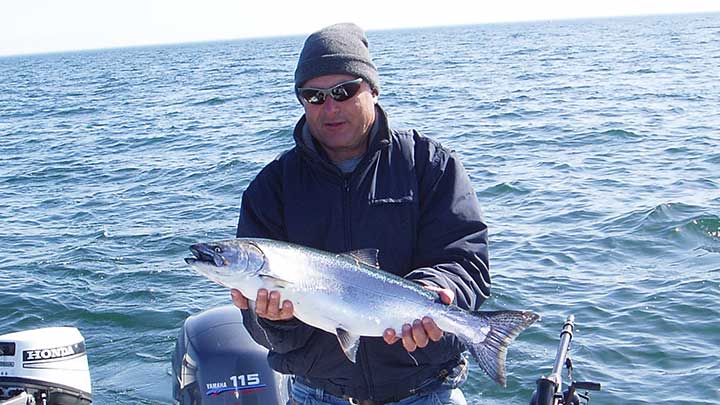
(45, 366)
(216, 362)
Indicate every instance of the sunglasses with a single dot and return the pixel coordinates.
(339, 92)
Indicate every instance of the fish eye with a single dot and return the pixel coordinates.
(217, 249)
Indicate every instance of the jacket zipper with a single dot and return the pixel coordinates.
(347, 215)
(367, 373)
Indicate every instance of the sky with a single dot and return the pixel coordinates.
(41, 26)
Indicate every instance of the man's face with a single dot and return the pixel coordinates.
(341, 127)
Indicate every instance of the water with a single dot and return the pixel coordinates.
(593, 146)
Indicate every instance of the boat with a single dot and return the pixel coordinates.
(44, 366)
(215, 361)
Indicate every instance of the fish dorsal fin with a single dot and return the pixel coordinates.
(274, 282)
(366, 256)
(349, 342)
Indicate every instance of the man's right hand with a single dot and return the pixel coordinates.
(267, 305)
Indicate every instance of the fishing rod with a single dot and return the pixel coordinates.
(549, 389)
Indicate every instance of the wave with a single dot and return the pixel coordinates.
(619, 134)
(212, 101)
(642, 71)
(715, 158)
(217, 86)
(703, 230)
(535, 76)
(526, 51)
(73, 111)
(683, 225)
(505, 189)
(508, 115)
(594, 137)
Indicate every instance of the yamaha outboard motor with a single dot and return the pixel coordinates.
(217, 362)
(45, 366)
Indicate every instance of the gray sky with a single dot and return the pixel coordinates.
(38, 26)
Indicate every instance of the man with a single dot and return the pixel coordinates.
(350, 183)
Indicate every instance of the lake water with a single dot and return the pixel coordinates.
(593, 146)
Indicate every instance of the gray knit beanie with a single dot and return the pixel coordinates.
(337, 49)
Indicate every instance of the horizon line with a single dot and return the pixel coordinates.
(289, 35)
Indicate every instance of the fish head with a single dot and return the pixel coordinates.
(230, 262)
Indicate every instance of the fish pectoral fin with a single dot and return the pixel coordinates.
(366, 256)
(349, 343)
(274, 282)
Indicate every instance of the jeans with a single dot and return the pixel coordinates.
(304, 395)
(436, 393)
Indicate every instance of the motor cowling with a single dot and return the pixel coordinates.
(216, 362)
(44, 366)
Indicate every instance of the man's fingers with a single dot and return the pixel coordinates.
(407, 338)
(238, 299)
(432, 330)
(447, 296)
(419, 335)
(261, 303)
(267, 305)
(287, 310)
(273, 307)
(390, 337)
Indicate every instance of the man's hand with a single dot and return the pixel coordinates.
(421, 332)
(267, 305)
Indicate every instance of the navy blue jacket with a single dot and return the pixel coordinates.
(411, 199)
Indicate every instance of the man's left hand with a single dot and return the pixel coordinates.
(422, 331)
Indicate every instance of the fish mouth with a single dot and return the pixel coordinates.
(205, 254)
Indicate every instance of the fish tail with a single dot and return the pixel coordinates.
(503, 326)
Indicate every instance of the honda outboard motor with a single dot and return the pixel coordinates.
(217, 362)
(45, 366)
